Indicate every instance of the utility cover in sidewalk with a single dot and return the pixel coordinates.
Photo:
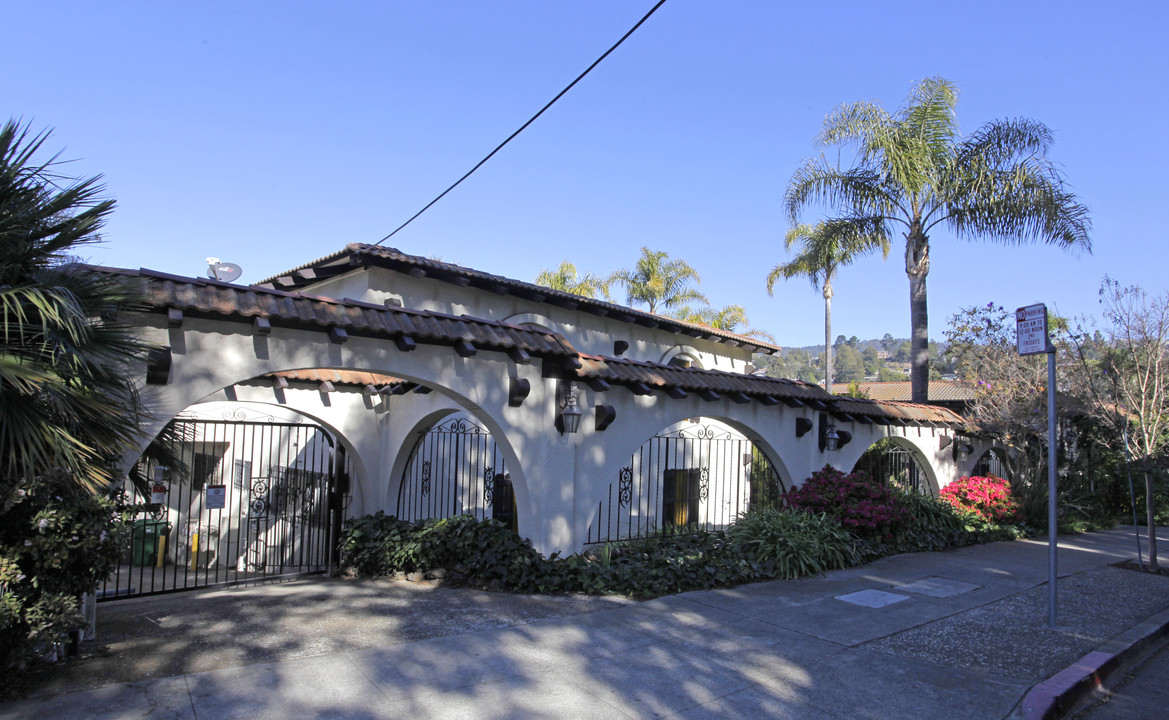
(872, 598)
(938, 587)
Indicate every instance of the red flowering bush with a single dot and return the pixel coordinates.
(989, 498)
(861, 504)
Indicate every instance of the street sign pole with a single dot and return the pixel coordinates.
(1032, 338)
(1052, 540)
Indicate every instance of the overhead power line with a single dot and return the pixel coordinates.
(529, 122)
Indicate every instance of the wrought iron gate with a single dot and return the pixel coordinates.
(259, 500)
(454, 469)
(894, 466)
(991, 463)
(698, 476)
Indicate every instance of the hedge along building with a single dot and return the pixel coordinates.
(448, 389)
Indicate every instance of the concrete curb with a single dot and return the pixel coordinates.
(1096, 672)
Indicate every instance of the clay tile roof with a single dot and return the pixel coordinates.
(897, 412)
(200, 297)
(939, 390)
(339, 377)
(657, 376)
(357, 255)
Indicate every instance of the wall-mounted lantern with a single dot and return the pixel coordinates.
(830, 437)
(962, 449)
(568, 420)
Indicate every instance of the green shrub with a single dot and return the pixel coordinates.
(936, 525)
(485, 553)
(793, 543)
(380, 544)
(57, 541)
(687, 559)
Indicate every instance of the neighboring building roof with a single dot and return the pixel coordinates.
(939, 390)
(359, 255)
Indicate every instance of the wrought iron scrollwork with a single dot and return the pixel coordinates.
(625, 487)
(241, 414)
(700, 432)
(489, 486)
(703, 482)
(458, 425)
(425, 477)
(259, 503)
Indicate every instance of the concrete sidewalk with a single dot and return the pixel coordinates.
(958, 634)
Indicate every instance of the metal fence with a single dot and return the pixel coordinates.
(699, 476)
(991, 463)
(894, 466)
(257, 500)
(455, 469)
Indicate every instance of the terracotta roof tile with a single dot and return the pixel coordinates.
(357, 255)
(209, 298)
(900, 412)
(939, 390)
(341, 377)
(200, 297)
(623, 371)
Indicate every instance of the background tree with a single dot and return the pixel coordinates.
(732, 318)
(660, 283)
(1010, 390)
(1124, 372)
(566, 279)
(913, 173)
(824, 248)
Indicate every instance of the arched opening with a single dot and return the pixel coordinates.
(701, 473)
(257, 492)
(993, 462)
(456, 468)
(895, 465)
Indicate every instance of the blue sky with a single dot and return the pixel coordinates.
(273, 133)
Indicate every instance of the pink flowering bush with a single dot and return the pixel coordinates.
(988, 498)
(861, 504)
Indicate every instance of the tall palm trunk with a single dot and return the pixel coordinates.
(828, 335)
(917, 267)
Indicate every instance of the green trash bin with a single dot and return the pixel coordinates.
(149, 538)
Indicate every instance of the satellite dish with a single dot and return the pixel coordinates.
(223, 271)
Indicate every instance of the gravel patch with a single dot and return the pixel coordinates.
(1010, 637)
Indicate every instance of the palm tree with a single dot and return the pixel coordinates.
(566, 279)
(729, 319)
(659, 283)
(68, 400)
(913, 172)
(824, 248)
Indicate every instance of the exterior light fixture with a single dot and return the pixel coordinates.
(832, 439)
(962, 449)
(569, 417)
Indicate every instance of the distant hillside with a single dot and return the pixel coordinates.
(855, 360)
